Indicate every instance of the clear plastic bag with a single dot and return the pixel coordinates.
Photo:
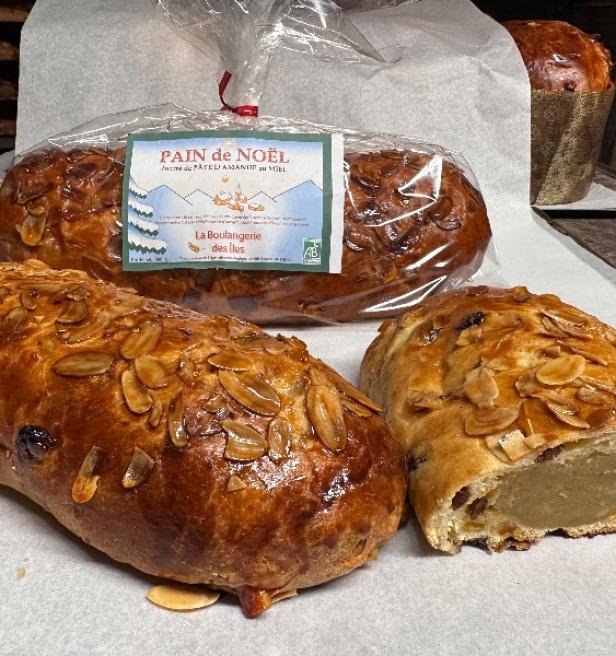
(244, 33)
(414, 222)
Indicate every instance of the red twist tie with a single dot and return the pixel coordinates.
(242, 110)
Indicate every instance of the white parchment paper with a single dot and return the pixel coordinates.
(458, 80)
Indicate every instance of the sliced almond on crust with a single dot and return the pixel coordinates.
(136, 396)
(561, 370)
(32, 228)
(325, 413)
(138, 470)
(565, 414)
(83, 363)
(469, 336)
(72, 312)
(156, 413)
(550, 329)
(141, 341)
(535, 440)
(481, 388)
(490, 420)
(230, 360)
(355, 408)
(279, 438)
(493, 443)
(85, 484)
(151, 372)
(351, 391)
(575, 327)
(243, 441)
(501, 321)
(28, 298)
(526, 384)
(514, 445)
(459, 363)
(587, 355)
(235, 484)
(599, 384)
(175, 422)
(524, 420)
(252, 392)
(12, 320)
(423, 399)
(596, 397)
(552, 351)
(425, 333)
(181, 597)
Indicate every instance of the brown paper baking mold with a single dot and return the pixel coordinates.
(566, 134)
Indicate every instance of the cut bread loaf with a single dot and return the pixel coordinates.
(504, 402)
(197, 448)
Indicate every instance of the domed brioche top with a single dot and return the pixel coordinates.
(561, 57)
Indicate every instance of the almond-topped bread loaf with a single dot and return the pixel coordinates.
(197, 448)
(504, 402)
(399, 243)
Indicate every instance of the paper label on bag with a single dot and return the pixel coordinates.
(234, 199)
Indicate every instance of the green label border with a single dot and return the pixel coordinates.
(325, 139)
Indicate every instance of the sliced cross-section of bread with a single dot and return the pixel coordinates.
(505, 403)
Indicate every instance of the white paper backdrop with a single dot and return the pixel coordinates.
(459, 81)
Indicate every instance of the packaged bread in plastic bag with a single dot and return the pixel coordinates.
(270, 219)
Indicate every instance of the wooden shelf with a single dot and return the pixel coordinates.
(13, 14)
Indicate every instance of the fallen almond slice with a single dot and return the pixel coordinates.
(280, 596)
(180, 597)
(562, 370)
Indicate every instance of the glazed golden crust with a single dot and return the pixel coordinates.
(232, 484)
(561, 57)
(76, 200)
(479, 381)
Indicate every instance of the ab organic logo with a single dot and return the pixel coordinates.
(312, 251)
